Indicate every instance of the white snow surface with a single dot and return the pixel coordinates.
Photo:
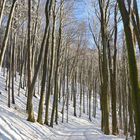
(14, 126)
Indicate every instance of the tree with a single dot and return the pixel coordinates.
(5, 40)
(2, 10)
(42, 95)
(30, 96)
(104, 87)
(51, 61)
(132, 64)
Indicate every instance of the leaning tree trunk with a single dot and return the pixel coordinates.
(48, 8)
(5, 40)
(2, 10)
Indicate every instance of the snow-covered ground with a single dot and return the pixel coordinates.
(14, 126)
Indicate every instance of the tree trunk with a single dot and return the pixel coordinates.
(132, 65)
(30, 95)
(5, 40)
(2, 10)
(42, 96)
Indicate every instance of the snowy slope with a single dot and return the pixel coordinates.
(13, 124)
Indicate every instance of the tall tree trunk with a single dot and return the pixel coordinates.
(56, 78)
(42, 95)
(51, 65)
(13, 67)
(30, 95)
(104, 91)
(132, 65)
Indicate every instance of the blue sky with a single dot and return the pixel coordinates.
(83, 11)
(80, 9)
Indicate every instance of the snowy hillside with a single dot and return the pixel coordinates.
(14, 126)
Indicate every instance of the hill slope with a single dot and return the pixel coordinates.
(14, 126)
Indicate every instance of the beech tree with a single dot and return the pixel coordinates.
(132, 63)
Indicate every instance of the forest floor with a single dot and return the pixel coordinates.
(14, 126)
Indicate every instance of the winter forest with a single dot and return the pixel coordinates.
(69, 70)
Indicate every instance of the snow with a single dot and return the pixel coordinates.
(14, 126)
